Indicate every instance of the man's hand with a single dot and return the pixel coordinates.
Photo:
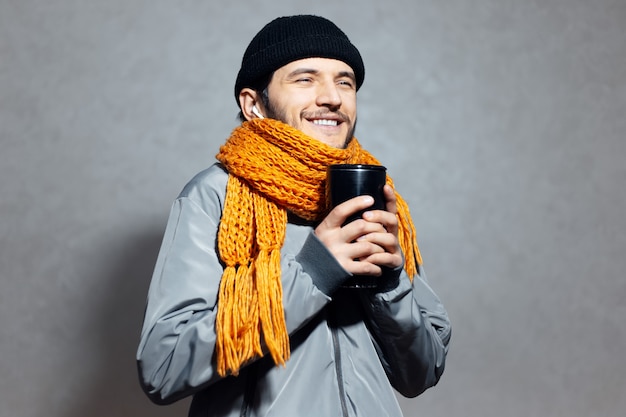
(363, 246)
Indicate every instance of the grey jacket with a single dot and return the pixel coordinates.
(349, 348)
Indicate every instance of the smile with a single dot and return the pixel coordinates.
(325, 122)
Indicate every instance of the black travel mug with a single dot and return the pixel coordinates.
(345, 181)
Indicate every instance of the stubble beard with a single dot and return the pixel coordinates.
(273, 112)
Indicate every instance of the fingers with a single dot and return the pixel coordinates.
(391, 253)
(365, 245)
(338, 215)
(343, 211)
(359, 257)
(362, 247)
(340, 240)
(390, 198)
(387, 219)
(367, 258)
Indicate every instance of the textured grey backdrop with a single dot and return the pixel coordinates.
(502, 121)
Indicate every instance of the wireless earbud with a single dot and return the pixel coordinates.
(256, 112)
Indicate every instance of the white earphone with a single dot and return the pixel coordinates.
(256, 112)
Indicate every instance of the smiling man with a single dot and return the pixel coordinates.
(314, 95)
(246, 311)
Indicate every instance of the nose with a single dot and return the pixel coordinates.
(328, 95)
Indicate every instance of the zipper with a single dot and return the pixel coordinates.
(337, 352)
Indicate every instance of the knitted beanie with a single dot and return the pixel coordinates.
(290, 38)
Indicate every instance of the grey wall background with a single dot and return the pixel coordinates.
(502, 122)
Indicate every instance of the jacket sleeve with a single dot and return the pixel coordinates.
(411, 331)
(178, 337)
(177, 343)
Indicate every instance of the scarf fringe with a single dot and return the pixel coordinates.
(271, 314)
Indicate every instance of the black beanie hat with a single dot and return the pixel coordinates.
(290, 38)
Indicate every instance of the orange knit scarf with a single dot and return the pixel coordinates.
(274, 169)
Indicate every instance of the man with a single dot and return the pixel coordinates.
(246, 310)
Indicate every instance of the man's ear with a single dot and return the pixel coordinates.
(251, 108)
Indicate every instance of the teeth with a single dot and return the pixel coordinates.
(325, 122)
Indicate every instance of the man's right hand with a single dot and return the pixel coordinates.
(343, 241)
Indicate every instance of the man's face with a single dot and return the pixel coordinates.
(316, 96)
